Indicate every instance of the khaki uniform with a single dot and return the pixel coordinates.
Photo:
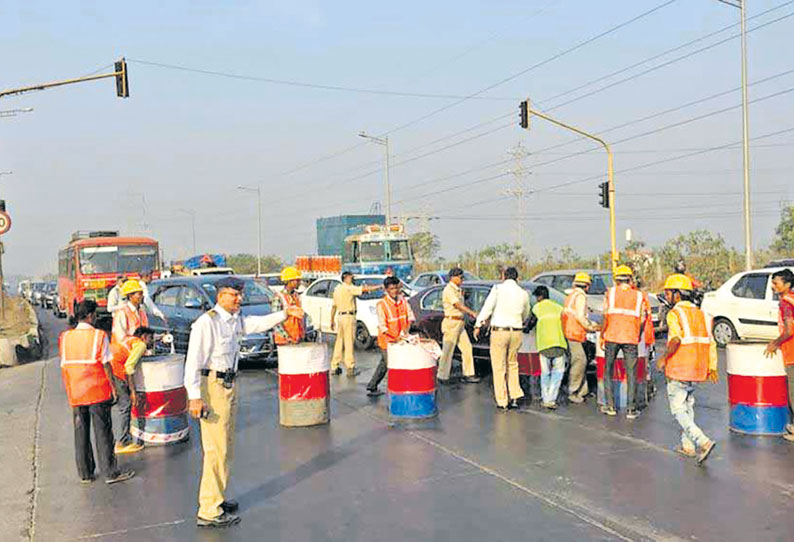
(217, 442)
(453, 328)
(504, 361)
(345, 302)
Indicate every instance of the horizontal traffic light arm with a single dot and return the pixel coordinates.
(43, 86)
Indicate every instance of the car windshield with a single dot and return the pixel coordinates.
(117, 259)
(255, 292)
(400, 250)
(373, 251)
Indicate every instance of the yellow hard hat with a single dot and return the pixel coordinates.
(624, 271)
(130, 287)
(583, 278)
(678, 282)
(290, 273)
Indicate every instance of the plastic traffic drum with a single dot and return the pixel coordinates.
(161, 418)
(757, 390)
(412, 381)
(529, 367)
(303, 387)
(619, 376)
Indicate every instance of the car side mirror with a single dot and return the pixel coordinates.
(194, 304)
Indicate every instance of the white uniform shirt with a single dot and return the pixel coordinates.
(215, 343)
(148, 303)
(114, 300)
(507, 305)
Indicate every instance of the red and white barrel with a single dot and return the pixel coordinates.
(412, 380)
(303, 386)
(619, 376)
(529, 366)
(757, 390)
(161, 417)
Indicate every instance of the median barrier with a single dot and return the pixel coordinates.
(412, 379)
(303, 385)
(161, 416)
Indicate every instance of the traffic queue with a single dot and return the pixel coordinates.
(100, 371)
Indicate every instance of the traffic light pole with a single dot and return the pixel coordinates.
(120, 73)
(610, 172)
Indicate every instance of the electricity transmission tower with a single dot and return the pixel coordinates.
(518, 190)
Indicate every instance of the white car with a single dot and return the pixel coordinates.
(317, 301)
(745, 307)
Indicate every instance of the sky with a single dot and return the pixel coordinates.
(275, 94)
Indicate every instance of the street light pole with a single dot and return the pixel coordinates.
(748, 232)
(258, 191)
(192, 214)
(385, 142)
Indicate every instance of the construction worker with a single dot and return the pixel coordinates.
(394, 319)
(680, 268)
(126, 320)
(210, 381)
(624, 313)
(146, 278)
(575, 326)
(453, 328)
(293, 329)
(691, 357)
(546, 315)
(783, 284)
(344, 310)
(115, 300)
(86, 372)
(507, 306)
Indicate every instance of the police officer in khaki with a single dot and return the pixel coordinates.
(343, 321)
(210, 381)
(453, 327)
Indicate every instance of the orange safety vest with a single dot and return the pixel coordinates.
(134, 319)
(294, 327)
(787, 348)
(649, 334)
(690, 363)
(120, 352)
(82, 369)
(573, 330)
(622, 319)
(396, 316)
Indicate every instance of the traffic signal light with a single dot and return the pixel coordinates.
(524, 114)
(122, 87)
(603, 194)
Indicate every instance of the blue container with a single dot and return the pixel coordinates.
(332, 230)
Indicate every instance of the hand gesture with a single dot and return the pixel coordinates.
(333, 324)
(713, 377)
(771, 348)
(476, 333)
(196, 407)
(295, 312)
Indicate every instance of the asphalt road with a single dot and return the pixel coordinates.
(472, 474)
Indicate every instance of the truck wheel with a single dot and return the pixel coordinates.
(724, 332)
(364, 340)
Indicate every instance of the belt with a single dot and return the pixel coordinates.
(219, 374)
(346, 313)
(454, 317)
(495, 328)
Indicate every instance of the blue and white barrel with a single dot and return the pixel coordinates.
(757, 390)
(412, 381)
(161, 418)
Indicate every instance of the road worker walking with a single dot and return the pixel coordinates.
(575, 326)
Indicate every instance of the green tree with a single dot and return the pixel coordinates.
(707, 256)
(784, 242)
(245, 264)
(425, 246)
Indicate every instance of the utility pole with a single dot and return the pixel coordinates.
(384, 141)
(748, 231)
(518, 190)
(525, 112)
(258, 191)
(192, 214)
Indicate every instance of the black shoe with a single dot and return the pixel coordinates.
(512, 404)
(121, 476)
(500, 408)
(632, 414)
(230, 506)
(374, 392)
(470, 379)
(337, 371)
(445, 382)
(88, 480)
(224, 520)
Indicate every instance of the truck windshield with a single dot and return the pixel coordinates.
(117, 259)
(373, 251)
(400, 250)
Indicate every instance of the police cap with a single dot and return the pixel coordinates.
(230, 282)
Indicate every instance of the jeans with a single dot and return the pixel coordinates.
(124, 405)
(551, 372)
(380, 371)
(682, 406)
(103, 438)
(630, 362)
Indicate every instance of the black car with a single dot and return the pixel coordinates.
(184, 299)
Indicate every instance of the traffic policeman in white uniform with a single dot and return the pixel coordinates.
(210, 380)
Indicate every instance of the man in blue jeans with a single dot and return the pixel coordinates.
(552, 346)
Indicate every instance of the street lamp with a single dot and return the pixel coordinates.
(6, 173)
(258, 191)
(385, 142)
(15, 112)
(192, 214)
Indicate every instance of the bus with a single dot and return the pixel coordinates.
(89, 265)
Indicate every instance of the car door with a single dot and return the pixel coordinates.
(167, 300)
(474, 297)
(317, 304)
(432, 312)
(190, 306)
(752, 306)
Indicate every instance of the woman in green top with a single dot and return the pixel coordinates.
(551, 343)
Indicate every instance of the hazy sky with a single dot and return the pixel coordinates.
(85, 159)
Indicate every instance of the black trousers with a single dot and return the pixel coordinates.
(124, 406)
(380, 372)
(630, 352)
(103, 438)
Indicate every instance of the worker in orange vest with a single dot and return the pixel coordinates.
(648, 333)
(782, 284)
(293, 329)
(624, 314)
(127, 355)
(394, 319)
(691, 357)
(86, 372)
(575, 326)
(126, 320)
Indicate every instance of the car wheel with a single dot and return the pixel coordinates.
(724, 332)
(364, 340)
